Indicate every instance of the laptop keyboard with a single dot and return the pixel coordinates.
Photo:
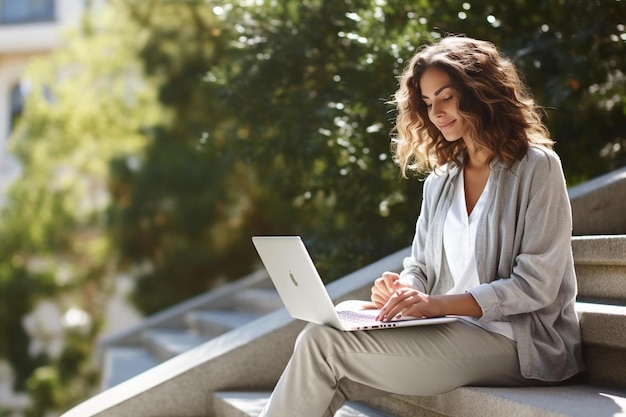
(354, 317)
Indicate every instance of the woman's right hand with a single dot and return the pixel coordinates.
(384, 287)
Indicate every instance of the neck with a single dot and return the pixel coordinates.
(477, 161)
(477, 158)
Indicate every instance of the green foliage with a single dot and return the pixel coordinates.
(177, 211)
(44, 386)
(289, 134)
(16, 287)
(66, 380)
(308, 89)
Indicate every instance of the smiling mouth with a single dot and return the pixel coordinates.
(446, 125)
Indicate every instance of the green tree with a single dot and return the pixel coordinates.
(308, 86)
(292, 138)
(180, 212)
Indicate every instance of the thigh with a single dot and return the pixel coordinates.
(424, 360)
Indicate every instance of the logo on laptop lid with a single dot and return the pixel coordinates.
(293, 279)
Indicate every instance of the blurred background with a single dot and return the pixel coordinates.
(143, 142)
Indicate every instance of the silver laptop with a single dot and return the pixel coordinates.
(302, 290)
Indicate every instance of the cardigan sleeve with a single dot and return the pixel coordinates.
(542, 250)
(414, 266)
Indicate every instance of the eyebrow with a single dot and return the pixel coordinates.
(438, 91)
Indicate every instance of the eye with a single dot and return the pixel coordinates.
(448, 98)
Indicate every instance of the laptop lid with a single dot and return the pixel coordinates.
(296, 279)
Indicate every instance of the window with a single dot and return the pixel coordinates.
(18, 94)
(23, 11)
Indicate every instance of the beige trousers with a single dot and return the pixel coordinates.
(329, 367)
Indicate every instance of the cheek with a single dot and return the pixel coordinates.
(430, 115)
(462, 124)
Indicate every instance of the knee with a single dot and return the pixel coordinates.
(316, 338)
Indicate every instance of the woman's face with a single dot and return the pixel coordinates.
(443, 103)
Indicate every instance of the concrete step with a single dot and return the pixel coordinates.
(600, 263)
(602, 324)
(250, 404)
(600, 249)
(559, 401)
(189, 324)
(212, 323)
(598, 204)
(604, 341)
(122, 363)
(259, 301)
(164, 344)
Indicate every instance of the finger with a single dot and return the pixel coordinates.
(374, 290)
(380, 291)
(378, 300)
(391, 280)
(400, 304)
(383, 286)
(391, 306)
(383, 310)
(379, 297)
(379, 285)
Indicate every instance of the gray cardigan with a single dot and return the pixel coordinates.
(523, 255)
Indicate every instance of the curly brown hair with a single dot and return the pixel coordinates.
(499, 111)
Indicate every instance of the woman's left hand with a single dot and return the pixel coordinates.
(384, 287)
(409, 302)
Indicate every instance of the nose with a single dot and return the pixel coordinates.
(435, 110)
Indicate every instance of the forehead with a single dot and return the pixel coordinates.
(432, 80)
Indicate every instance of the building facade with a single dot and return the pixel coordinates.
(28, 28)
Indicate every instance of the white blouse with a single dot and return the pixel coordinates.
(459, 238)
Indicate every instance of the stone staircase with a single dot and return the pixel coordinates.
(185, 326)
(232, 374)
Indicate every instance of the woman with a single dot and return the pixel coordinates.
(492, 244)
